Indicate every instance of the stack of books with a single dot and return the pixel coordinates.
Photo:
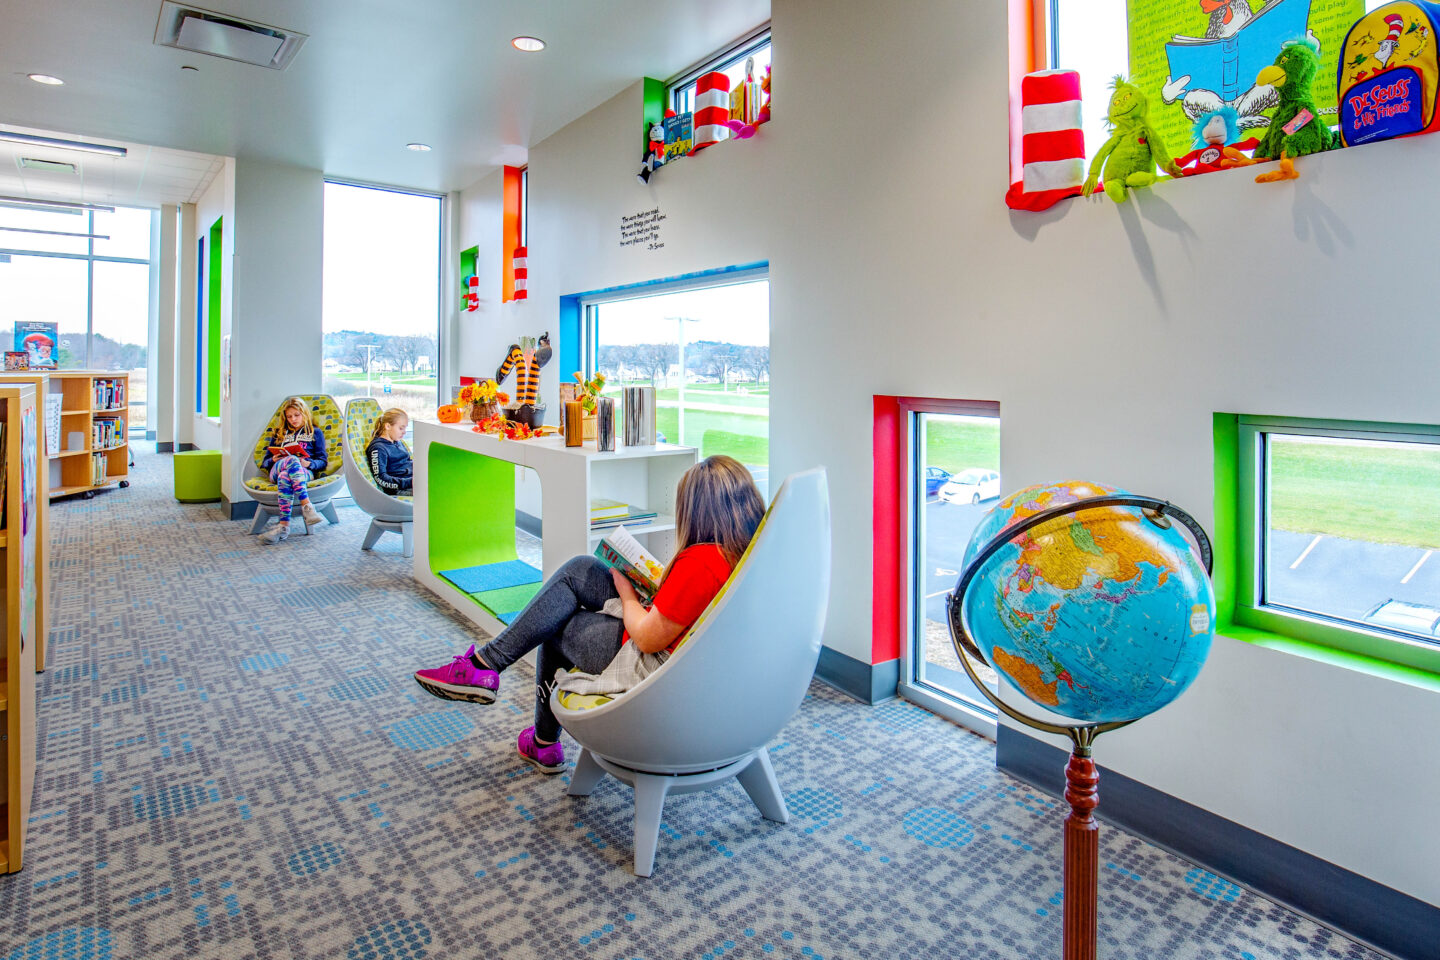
(109, 394)
(605, 514)
(98, 468)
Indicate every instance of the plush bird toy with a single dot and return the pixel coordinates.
(1295, 127)
(1128, 158)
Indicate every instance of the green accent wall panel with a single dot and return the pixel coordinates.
(214, 298)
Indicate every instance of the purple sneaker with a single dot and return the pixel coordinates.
(460, 679)
(548, 759)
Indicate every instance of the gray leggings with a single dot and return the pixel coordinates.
(564, 622)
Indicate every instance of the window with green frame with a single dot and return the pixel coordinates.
(1332, 533)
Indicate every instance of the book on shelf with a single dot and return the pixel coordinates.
(109, 394)
(623, 552)
(601, 509)
(634, 519)
(106, 432)
(98, 469)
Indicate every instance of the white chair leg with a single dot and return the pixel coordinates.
(372, 536)
(407, 534)
(262, 517)
(759, 781)
(328, 511)
(649, 799)
(586, 775)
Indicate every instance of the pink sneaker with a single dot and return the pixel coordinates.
(460, 679)
(549, 759)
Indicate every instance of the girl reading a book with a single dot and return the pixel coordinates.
(387, 454)
(587, 611)
(294, 455)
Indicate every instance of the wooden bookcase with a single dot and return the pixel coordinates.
(23, 420)
(40, 380)
(80, 412)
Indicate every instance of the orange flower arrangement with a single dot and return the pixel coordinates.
(482, 391)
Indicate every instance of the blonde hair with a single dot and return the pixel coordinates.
(385, 419)
(307, 422)
(717, 502)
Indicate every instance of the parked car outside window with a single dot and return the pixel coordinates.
(971, 486)
(935, 479)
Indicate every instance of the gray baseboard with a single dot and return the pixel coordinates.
(165, 446)
(531, 525)
(242, 510)
(149, 434)
(182, 447)
(1358, 907)
(868, 683)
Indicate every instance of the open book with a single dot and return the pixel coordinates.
(620, 550)
(293, 448)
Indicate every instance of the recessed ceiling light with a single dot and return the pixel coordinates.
(418, 147)
(46, 79)
(528, 44)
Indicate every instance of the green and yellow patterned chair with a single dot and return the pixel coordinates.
(326, 413)
(388, 514)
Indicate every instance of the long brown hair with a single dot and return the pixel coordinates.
(717, 502)
(307, 422)
(385, 419)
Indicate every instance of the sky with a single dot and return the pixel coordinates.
(382, 262)
(738, 313)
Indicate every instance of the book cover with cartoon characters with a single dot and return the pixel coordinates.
(1192, 57)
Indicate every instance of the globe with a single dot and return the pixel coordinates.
(1100, 614)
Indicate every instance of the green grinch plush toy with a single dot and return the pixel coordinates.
(1129, 157)
(1295, 127)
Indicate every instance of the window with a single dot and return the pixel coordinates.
(88, 272)
(382, 296)
(706, 350)
(953, 466)
(1338, 535)
(731, 62)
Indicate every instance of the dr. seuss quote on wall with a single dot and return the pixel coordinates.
(642, 229)
(1191, 57)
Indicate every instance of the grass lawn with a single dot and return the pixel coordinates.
(755, 396)
(400, 379)
(746, 438)
(958, 445)
(1379, 494)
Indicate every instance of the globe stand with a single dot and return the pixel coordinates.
(1081, 888)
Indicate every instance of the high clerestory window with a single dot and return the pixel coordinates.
(732, 61)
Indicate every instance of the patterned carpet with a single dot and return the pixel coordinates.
(235, 763)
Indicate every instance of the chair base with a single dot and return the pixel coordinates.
(379, 527)
(264, 511)
(754, 772)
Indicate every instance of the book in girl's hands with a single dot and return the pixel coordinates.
(293, 448)
(623, 552)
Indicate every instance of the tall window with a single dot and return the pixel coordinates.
(88, 272)
(1345, 535)
(382, 296)
(954, 452)
(706, 350)
(731, 62)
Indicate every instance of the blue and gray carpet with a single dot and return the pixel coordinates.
(235, 763)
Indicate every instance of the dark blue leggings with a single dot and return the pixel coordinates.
(563, 621)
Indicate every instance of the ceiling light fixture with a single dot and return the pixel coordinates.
(59, 144)
(418, 147)
(528, 44)
(46, 79)
(59, 206)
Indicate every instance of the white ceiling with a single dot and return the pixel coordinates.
(373, 75)
(145, 177)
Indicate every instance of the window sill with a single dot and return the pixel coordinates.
(1373, 666)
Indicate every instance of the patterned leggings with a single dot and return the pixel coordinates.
(290, 476)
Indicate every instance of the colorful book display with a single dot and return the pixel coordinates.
(106, 433)
(109, 394)
(38, 340)
(679, 135)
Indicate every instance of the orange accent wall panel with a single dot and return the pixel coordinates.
(509, 233)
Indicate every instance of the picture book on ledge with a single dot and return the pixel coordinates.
(38, 340)
(618, 549)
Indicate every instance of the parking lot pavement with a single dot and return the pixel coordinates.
(1346, 578)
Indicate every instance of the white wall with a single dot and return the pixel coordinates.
(183, 366)
(277, 253)
(160, 392)
(1109, 335)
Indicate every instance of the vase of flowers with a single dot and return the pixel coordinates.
(588, 393)
(482, 398)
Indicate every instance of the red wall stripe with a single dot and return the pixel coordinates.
(888, 531)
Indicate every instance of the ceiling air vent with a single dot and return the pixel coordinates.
(46, 166)
(216, 35)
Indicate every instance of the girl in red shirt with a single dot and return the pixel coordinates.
(717, 508)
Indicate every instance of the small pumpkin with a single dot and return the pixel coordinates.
(449, 413)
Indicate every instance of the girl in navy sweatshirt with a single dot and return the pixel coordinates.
(387, 455)
(291, 470)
